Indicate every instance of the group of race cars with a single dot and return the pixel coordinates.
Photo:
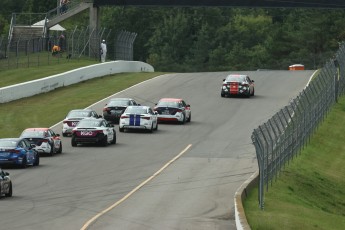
(87, 126)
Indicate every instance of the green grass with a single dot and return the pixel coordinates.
(47, 109)
(18, 75)
(310, 191)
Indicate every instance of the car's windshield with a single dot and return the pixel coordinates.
(33, 133)
(168, 104)
(89, 123)
(136, 110)
(8, 143)
(118, 103)
(78, 114)
(235, 78)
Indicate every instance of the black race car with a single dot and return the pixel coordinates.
(237, 84)
(115, 108)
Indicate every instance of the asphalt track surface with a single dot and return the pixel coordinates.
(180, 177)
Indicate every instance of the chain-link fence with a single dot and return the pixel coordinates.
(282, 137)
(73, 44)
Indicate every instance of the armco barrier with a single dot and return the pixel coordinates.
(27, 89)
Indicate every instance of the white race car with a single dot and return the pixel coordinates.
(96, 131)
(73, 117)
(138, 117)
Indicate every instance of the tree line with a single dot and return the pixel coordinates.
(216, 38)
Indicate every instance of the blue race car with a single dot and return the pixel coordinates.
(18, 152)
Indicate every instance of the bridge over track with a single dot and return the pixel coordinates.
(326, 4)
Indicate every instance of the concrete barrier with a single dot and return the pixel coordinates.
(27, 89)
(240, 195)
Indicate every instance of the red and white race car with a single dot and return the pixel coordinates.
(173, 110)
(45, 140)
(73, 118)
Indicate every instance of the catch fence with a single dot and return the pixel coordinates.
(75, 44)
(283, 136)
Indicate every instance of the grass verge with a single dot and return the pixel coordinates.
(310, 191)
(44, 110)
(15, 76)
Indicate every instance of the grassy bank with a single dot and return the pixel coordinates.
(47, 109)
(310, 191)
(15, 76)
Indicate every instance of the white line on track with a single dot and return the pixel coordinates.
(93, 219)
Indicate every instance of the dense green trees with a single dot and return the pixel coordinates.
(213, 39)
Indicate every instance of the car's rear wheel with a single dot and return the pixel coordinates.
(104, 141)
(156, 126)
(52, 150)
(253, 93)
(60, 148)
(9, 194)
(73, 142)
(189, 118)
(114, 140)
(151, 129)
(121, 129)
(64, 134)
(183, 119)
(23, 165)
(222, 94)
(37, 160)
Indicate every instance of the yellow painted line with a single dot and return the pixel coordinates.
(93, 219)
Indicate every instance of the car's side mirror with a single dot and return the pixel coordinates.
(32, 146)
(223, 79)
(7, 174)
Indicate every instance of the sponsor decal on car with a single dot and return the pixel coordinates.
(86, 133)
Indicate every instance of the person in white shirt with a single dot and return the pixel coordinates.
(103, 51)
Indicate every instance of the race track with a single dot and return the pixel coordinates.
(180, 177)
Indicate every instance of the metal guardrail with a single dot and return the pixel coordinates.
(282, 137)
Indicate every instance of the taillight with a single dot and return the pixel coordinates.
(45, 140)
(178, 110)
(64, 122)
(124, 116)
(15, 151)
(105, 109)
(146, 118)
